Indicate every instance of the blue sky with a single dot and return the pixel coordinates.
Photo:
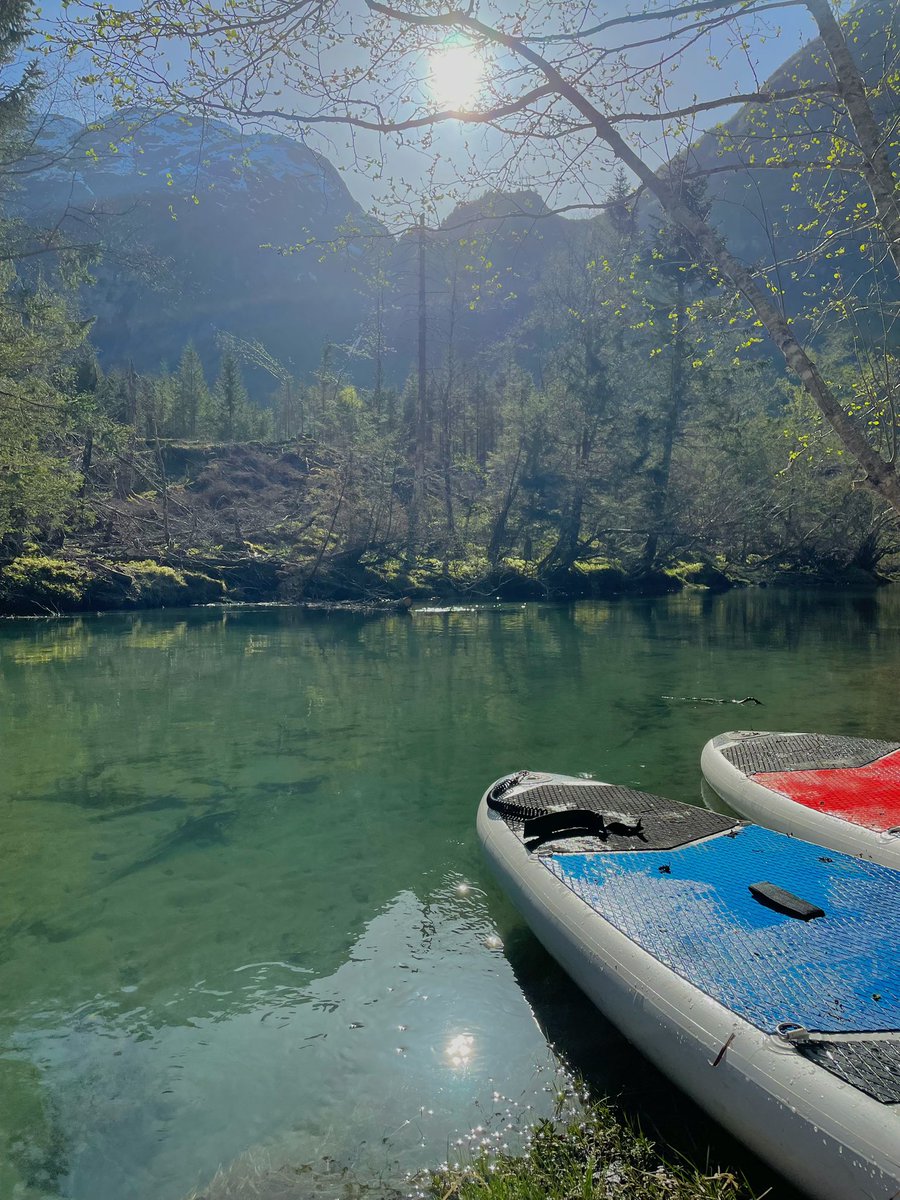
(787, 30)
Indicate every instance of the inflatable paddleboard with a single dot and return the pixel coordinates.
(759, 973)
(839, 792)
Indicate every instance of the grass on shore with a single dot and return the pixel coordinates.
(589, 1152)
(596, 1155)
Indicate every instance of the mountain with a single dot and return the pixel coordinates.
(195, 222)
(771, 216)
(203, 229)
(482, 265)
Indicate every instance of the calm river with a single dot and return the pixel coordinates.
(244, 923)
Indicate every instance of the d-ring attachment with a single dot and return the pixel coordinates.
(792, 1032)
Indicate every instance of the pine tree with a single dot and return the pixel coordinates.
(18, 84)
(36, 331)
(192, 399)
(231, 400)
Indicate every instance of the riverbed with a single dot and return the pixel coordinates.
(244, 924)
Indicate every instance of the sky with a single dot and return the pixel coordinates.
(410, 172)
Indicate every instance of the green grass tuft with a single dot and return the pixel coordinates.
(596, 1155)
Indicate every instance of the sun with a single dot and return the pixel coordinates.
(455, 74)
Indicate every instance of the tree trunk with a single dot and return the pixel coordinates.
(662, 473)
(565, 551)
(418, 496)
(852, 90)
(447, 429)
(125, 476)
(87, 455)
(164, 479)
(334, 516)
(880, 475)
(498, 531)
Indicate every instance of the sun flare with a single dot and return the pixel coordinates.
(455, 74)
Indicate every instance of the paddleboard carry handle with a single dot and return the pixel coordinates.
(576, 822)
(518, 807)
(785, 902)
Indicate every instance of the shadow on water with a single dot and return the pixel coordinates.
(193, 833)
(611, 1067)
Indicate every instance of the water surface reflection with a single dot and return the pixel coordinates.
(244, 912)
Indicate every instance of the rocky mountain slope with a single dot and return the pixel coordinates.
(203, 230)
(196, 223)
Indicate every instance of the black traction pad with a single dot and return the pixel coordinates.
(804, 752)
(785, 902)
(664, 823)
(873, 1066)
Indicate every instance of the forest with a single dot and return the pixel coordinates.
(649, 414)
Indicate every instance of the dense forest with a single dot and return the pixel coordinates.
(618, 424)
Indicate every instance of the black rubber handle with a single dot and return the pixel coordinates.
(785, 902)
(577, 822)
(568, 822)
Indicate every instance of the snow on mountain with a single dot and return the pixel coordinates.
(203, 229)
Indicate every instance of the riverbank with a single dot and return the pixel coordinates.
(593, 1153)
(259, 523)
(76, 580)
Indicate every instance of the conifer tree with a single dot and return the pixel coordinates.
(192, 400)
(231, 399)
(35, 332)
(18, 84)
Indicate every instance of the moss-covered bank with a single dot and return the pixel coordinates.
(36, 584)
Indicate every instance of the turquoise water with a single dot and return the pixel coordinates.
(244, 924)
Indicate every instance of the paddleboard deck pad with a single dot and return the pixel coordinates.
(628, 819)
(841, 792)
(800, 945)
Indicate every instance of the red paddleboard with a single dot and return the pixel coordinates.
(839, 792)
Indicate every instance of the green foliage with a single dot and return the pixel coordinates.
(18, 85)
(37, 332)
(52, 583)
(234, 418)
(37, 477)
(155, 585)
(192, 410)
(594, 1156)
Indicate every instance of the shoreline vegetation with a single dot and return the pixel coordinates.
(266, 523)
(595, 1154)
(589, 1152)
(71, 582)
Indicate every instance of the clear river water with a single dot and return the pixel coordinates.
(244, 924)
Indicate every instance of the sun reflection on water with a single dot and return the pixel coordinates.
(459, 1051)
